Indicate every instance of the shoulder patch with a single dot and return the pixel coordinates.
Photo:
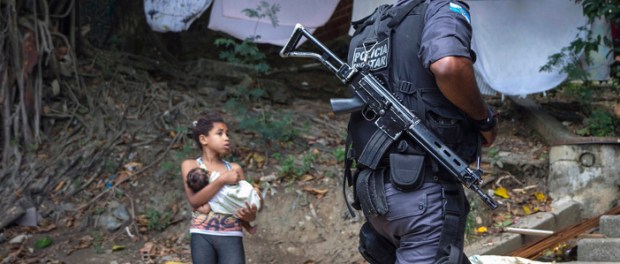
(457, 8)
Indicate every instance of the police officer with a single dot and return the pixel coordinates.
(415, 210)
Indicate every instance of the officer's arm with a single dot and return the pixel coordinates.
(455, 78)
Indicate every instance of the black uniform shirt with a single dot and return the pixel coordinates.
(447, 31)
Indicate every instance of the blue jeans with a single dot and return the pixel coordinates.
(209, 249)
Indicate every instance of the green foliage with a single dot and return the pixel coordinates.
(97, 245)
(264, 10)
(276, 156)
(120, 194)
(601, 124)
(567, 59)
(264, 124)
(247, 52)
(98, 210)
(290, 169)
(157, 222)
(339, 154)
(495, 158)
(110, 165)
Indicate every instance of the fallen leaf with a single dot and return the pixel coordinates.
(501, 192)
(60, 184)
(539, 196)
(46, 229)
(306, 178)
(117, 247)
(482, 229)
(173, 134)
(258, 158)
(319, 193)
(43, 242)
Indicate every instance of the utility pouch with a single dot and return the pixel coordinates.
(375, 248)
(407, 172)
(370, 192)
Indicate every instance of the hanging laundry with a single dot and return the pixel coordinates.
(513, 40)
(227, 16)
(173, 15)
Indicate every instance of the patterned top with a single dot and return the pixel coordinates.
(213, 223)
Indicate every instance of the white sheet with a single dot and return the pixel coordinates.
(513, 39)
(173, 15)
(312, 14)
(227, 16)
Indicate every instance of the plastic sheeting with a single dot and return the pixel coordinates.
(227, 16)
(513, 40)
(173, 15)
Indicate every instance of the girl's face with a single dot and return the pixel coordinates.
(217, 138)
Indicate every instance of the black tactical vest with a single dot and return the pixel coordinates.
(392, 55)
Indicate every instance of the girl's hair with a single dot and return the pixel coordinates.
(204, 125)
(197, 179)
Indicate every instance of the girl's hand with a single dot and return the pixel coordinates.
(246, 214)
(205, 209)
(230, 177)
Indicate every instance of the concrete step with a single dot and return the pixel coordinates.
(610, 225)
(564, 214)
(599, 249)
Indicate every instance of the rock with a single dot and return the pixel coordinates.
(166, 258)
(295, 251)
(84, 223)
(112, 224)
(69, 207)
(270, 177)
(18, 239)
(121, 213)
(11, 215)
(108, 222)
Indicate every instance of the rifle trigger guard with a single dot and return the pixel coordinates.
(368, 113)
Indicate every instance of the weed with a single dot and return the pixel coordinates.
(601, 124)
(276, 156)
(264, 124)
(155, 221)
(98, 211)
(97, 245)
(339, 154)
(110, 165)
(77, 183)
(120, 194)
(495, 158)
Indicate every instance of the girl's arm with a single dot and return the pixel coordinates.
(203, 196)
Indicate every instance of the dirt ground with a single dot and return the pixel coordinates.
(296, 226)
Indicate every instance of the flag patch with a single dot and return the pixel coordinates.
(457, 8)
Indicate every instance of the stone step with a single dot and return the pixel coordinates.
(610, 225)
(599, 249)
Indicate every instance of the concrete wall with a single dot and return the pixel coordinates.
(588, 174)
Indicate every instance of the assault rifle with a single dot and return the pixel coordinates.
(388, 113)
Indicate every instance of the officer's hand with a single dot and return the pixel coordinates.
(488, 137)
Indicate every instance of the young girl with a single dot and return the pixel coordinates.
(215, 238)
